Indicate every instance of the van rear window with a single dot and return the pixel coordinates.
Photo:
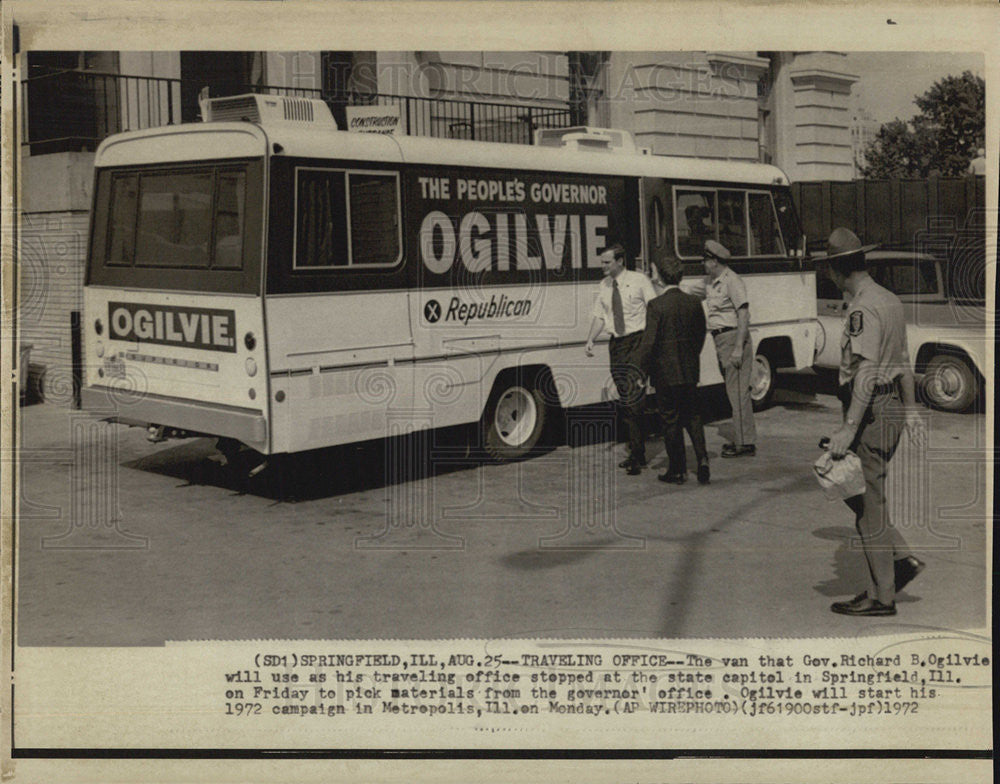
(153, 224)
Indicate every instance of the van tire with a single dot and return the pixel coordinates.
(514, 420)
(949, 383)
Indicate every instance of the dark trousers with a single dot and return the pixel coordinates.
(631, 384)
(680, 409)
(875, 443)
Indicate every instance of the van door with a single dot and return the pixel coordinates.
(656, 217)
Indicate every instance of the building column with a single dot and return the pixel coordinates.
(810, 102)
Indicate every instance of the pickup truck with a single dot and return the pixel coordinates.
(948, 342)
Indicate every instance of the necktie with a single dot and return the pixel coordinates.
(616, 309)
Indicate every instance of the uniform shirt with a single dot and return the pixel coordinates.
(723, 297)
(636, 290)
(875, 329)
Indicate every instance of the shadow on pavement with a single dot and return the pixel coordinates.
(849, 566)
(368, 465)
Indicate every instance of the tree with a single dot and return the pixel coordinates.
(941, 140)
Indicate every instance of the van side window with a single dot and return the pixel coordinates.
(765, 235)
(733, 222)
(694, 221)
(346, 219)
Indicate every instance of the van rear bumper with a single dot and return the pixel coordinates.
(247, 425)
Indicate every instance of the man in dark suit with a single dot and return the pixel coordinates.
(671, 353)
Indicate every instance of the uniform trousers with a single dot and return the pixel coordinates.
(680, 408)
(631, 384)
(737, 385)
(875, 443)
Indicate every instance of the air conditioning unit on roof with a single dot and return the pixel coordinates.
(268, 110)
(583, 137)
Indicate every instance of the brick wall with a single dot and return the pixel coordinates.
(52, 260)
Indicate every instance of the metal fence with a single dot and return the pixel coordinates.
(475, 120)
(75, 110)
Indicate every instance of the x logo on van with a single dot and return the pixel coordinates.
(432, 311)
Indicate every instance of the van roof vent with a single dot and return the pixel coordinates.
(586, 138)
(268, 110)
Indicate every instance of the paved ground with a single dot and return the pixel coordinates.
(122, 542)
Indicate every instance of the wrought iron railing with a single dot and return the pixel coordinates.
(75, 110)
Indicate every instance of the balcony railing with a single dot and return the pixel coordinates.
(76, 110)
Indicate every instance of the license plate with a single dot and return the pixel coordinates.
(114, 367)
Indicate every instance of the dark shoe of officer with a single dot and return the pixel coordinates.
(632, 467)
(905, 569)
(672, 478)
(704, 475)
(743, 450)
(861, 605)
(628, 461)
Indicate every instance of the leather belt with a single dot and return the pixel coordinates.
(845, 391)
(720, 330)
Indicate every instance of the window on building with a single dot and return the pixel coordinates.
(346, 219)
(222, 73)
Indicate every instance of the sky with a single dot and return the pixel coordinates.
(890, 80)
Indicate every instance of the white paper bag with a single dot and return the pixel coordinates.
(842, 478)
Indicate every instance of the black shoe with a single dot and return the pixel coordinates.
(704, 475)
(862, 605)
(641, 462)
(744, 450)
(633, 469)
(674, 479)
(905, 569)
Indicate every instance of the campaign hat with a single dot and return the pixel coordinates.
(844, 242)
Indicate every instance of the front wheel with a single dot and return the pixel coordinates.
(949, 383)
(513, 421)
(762, 381)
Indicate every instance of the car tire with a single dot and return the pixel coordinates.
(514, 420)
(763, 376)
(949, 383)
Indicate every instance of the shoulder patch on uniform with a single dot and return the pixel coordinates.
(857, 324)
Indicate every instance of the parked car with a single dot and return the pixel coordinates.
(947, 341)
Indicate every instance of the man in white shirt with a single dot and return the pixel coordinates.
(621, 309)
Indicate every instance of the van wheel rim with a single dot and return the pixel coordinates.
(760, 378)
(515, 416)
(948, 383)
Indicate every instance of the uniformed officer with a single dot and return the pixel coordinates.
(620, 308)
(874, 372)
(728, 317)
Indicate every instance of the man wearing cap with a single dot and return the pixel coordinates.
(728, 315)
(671, 352)
(874, 373)
(621, 309)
